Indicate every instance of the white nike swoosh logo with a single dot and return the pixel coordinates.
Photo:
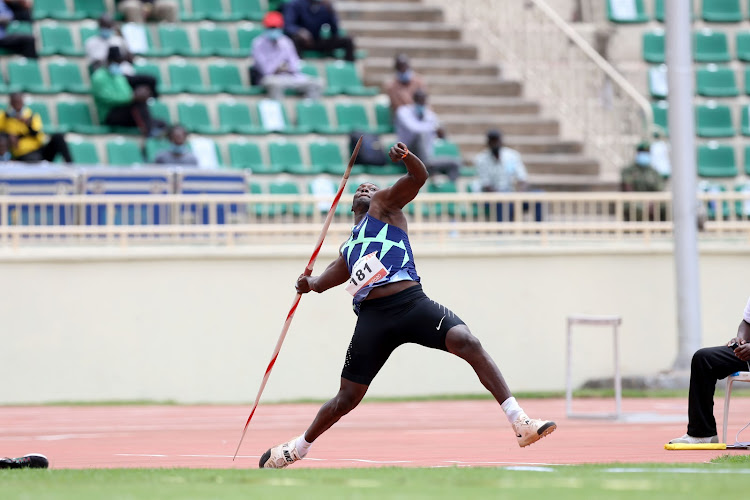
(441, 322)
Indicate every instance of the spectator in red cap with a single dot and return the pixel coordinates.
(276, 63)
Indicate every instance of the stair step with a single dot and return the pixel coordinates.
(570, 183)
(559, 164)
(495, 106)
(388, 11)
(379, 47)
(470, 145)
(510, 124)
(402, 30)
(383, 67)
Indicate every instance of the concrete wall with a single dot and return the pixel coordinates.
(199, 326)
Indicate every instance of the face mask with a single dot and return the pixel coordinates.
(274, 33)
(106, 33)
(419, 108)
(178, 149)
(115, 69)
(404, 76)
(11, 113)
(643, 158)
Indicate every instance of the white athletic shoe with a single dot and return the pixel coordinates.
(530, 430)
(280, 456)
(688, 439)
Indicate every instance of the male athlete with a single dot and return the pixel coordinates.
(378, 265)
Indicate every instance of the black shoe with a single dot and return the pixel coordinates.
(31, 461)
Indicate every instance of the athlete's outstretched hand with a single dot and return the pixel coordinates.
(303, 284)
(398, 151)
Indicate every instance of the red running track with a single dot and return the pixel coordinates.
(408, 434)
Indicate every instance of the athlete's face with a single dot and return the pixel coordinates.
(363, 195)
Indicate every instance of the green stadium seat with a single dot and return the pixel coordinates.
(715, 81)
(67, 77)
(83, 152)
(747, 160)
(24, 75)
(660, 109)
(445, 148)
(226, 77)
(443, 207)
(708, 187)
(42, 110)
(123, 152)
(742, 208)
(745, 120)
(200, 10)
(86, 31)
(286, 154)
(626, 11)
(714, 120)
(342, 78)
(76, 116)
(716, 160)
(147, 68)
(195, 118)
(742, 45)
(653, 46)
(326, 157)
(710, 46)
(352, 117)
(92, 9)
(659, 10)
(245, 154)
(245, 36)
(159, 110)
(270, 122)
(174, 40)
(186, 77)
(234, 117)
(153, 146)
(55, 9)
(215, 41)
(251, 10)
(747, 80)
(57, 39)
(721, 11)
(312, 116)
(323, 185)
(284, 187)
(383, 118)
(657, 81)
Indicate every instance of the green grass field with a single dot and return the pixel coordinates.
(611, 481)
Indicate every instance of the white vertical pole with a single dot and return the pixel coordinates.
(568, 373)
(618, 378)
(684, 173)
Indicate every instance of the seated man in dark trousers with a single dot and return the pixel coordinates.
(303, 22)
(28, 142)
(709, 365)
(18, 43)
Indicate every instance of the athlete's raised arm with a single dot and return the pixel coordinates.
(335, 274)
(406, 187)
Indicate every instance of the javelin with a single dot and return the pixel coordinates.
(298, 296)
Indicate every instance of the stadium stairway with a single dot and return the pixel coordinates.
(470, 96)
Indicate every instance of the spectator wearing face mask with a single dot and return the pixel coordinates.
(178, 152)
(641, 176)
(25, 131)
(277, 65)
(405, 82)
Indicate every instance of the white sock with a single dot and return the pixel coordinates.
(302, 446)
(512, 409)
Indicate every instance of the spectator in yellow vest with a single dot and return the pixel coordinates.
(28, 142)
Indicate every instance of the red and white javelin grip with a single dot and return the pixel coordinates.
(298, 296)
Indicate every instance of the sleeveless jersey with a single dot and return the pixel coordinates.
(393, 250)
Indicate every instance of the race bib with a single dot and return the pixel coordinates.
(365, 271)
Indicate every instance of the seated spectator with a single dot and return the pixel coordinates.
(277, 63)
(5, 148)
(97, 49)
(140, 11)
(418, 126)
(28, 142)
(117, 103)
(18, 43)
(641, 176)
(304, 23)
(21, 9)
(404, 83)
(178, 152)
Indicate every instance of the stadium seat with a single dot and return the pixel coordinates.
(708, 187)
(286, 154)
(713, 120)
(76, 116)
(659, 10)
(186, 77)
(123, 152)
(352, 117)
(86, 31)
(747, 80)
(742, 208)
(284, 187)
(147, 68)
(312, 116)
(628, 11)
(24, 75)
(714, 81)
(246, 9)
(721, 11)
(153, 146)
(245, 36)
(215, 41)
(653, 46)
(657, 81)
(326, 157)
(205, 9)
(660, 109)
(742, 45)
(234, 117)
(226, 77)
(92, 9)
(745, 120)
(66, 76)
(55, 9)
(747, 160)
(710, 46)
(342, 78)
(83, 152)
(159, 110)
(716, 160)
(322, 185)
(273, 118)
(383, 118)
(440, 208)
(40, 108)
(195, 118)
(247, 155)
(57, 39)
(174, 40)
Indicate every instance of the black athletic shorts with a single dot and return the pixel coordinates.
(387, 322)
